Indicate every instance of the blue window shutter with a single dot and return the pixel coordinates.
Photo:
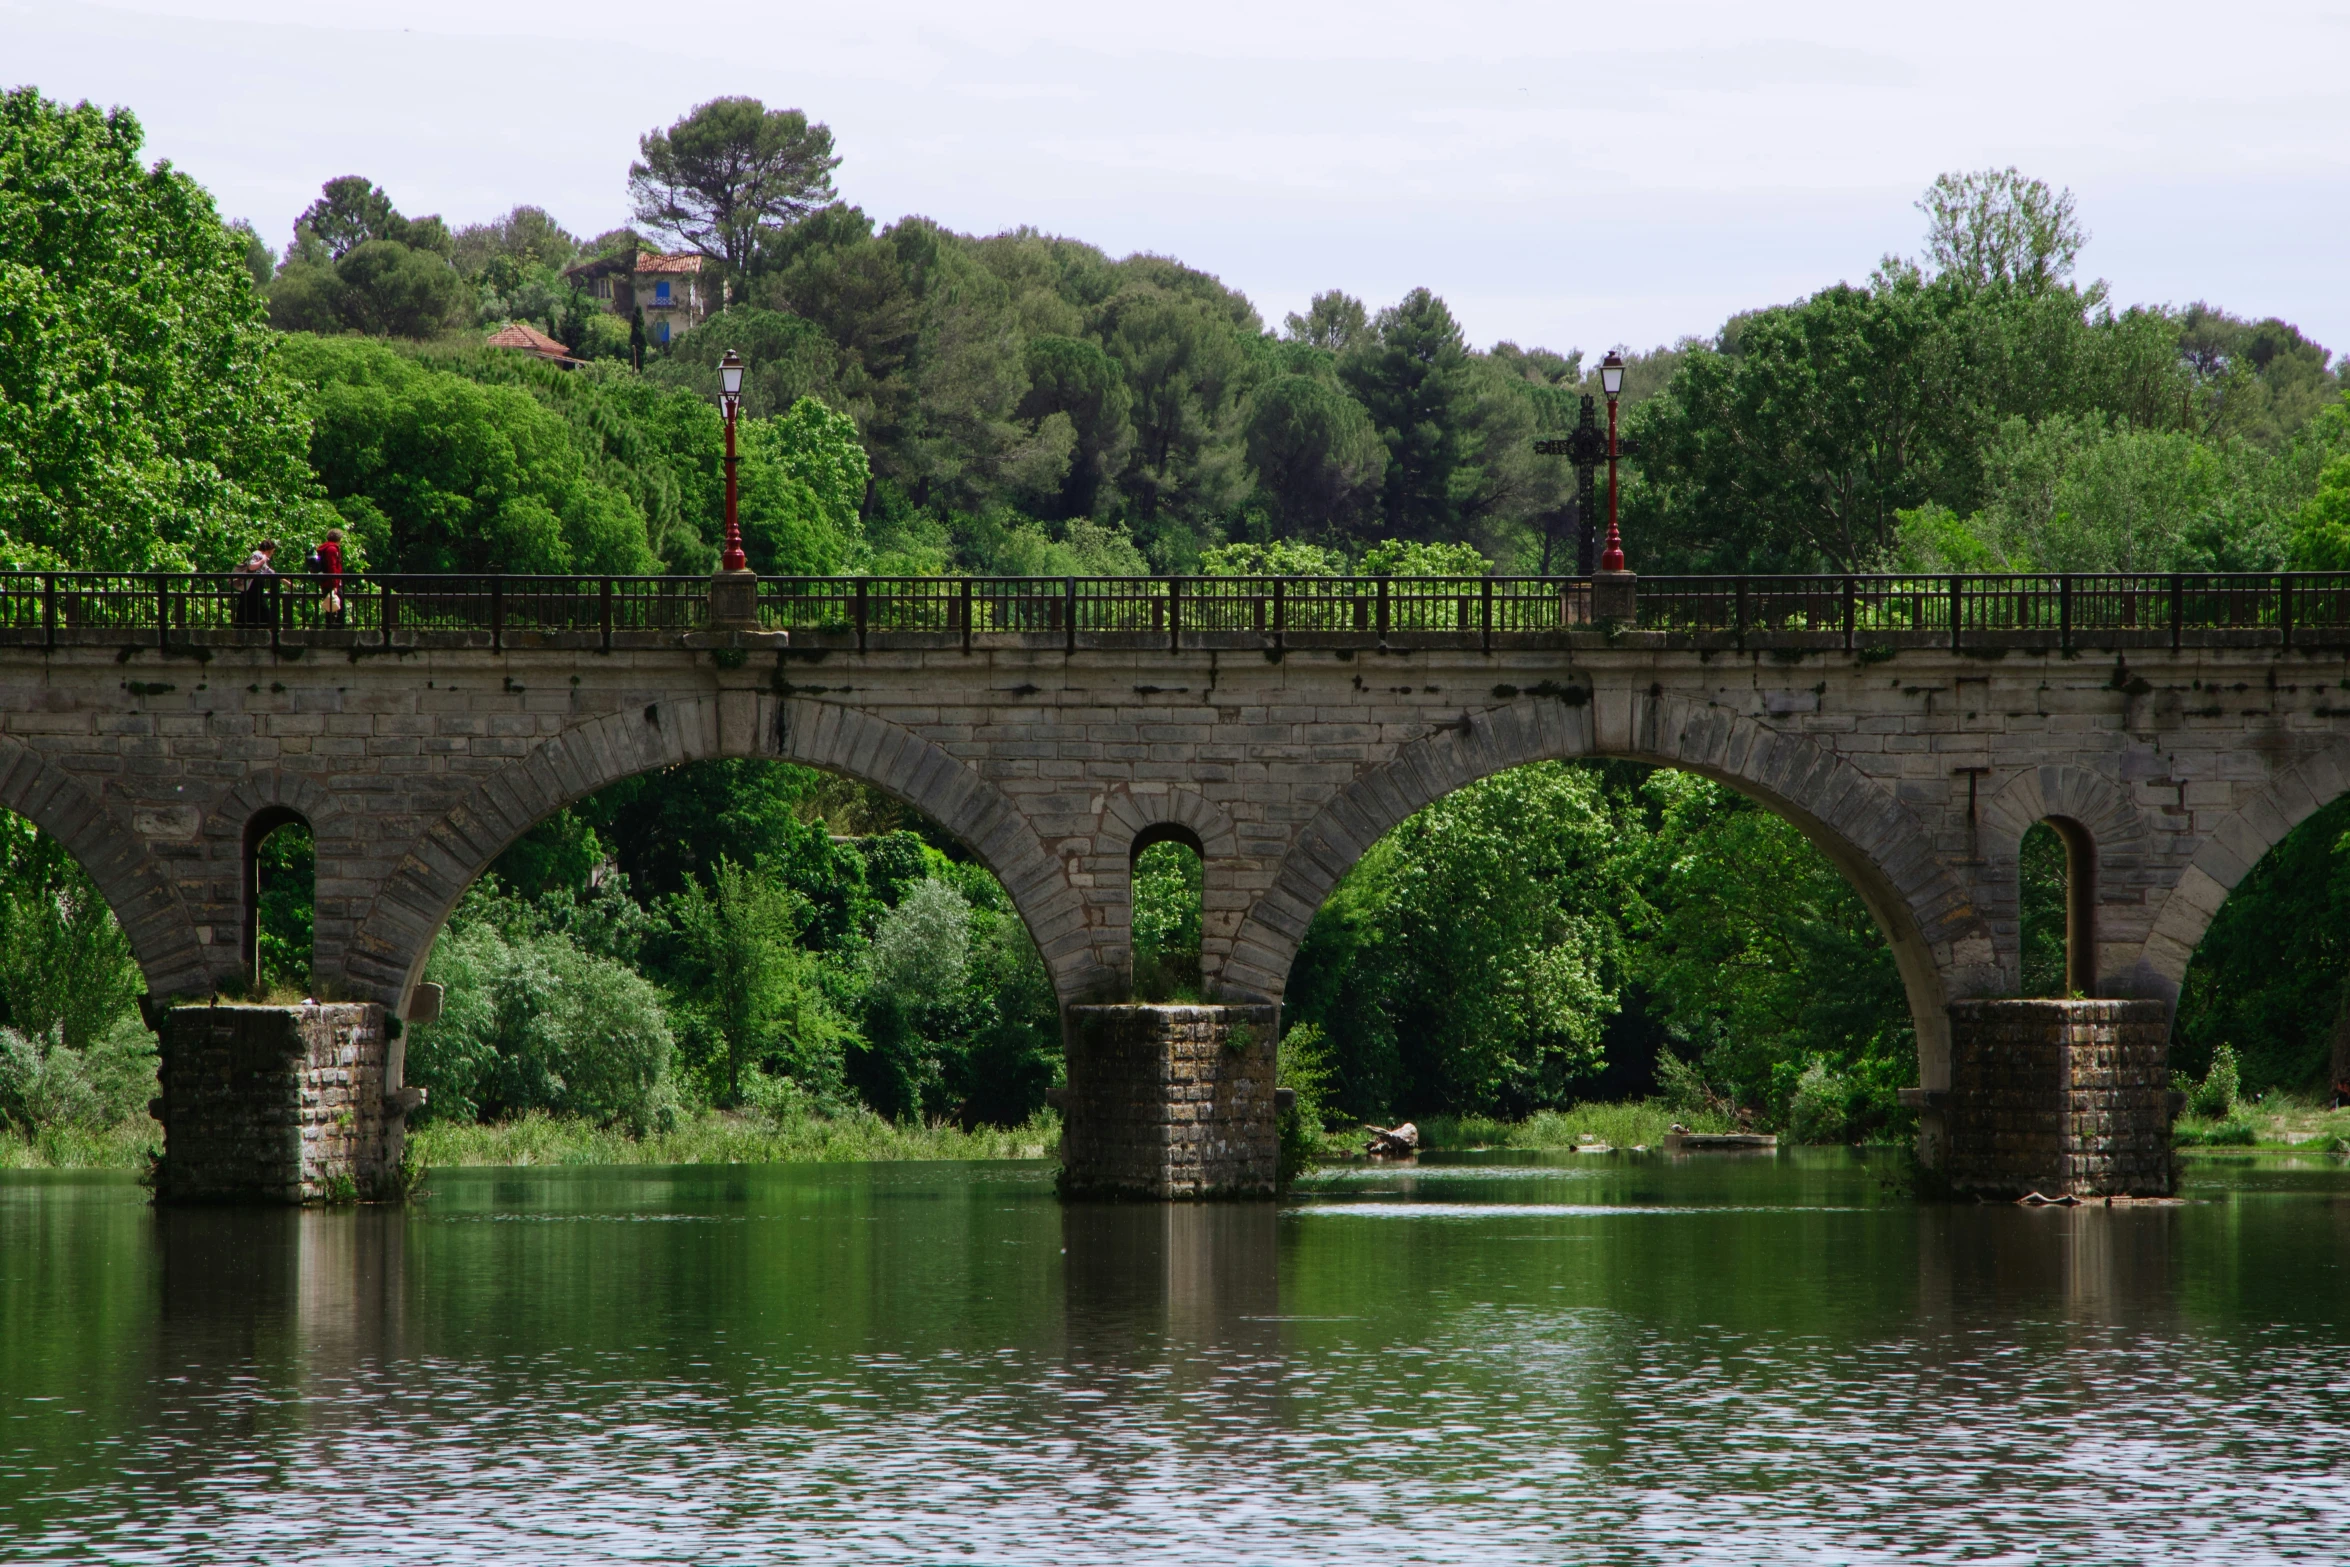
(661, 332)
(661, 292)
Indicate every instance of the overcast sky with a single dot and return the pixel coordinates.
(1571, 175)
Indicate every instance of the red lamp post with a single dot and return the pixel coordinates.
(730, 401)
(1611, 381)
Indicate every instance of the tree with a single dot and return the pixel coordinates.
(739, 949)
(1412, 374)
(1332, 322)
(730, 169)
(1077, 380)
(1996, 227)
(357, 265)
(348, 213)
(145, 419)
(1315, 453)
(435, 472)
(65, 965)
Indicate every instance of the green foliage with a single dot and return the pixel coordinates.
(1764, 960)
(2267, 978)
(1303, 1066)
(914, 974)
(434, 472)
(2041, 927)
(533, 1021)
(48, 1086)
(794, 1135)
(739, 958)
(2214, 1098)
(66, 970)
(1166, 923)
(144, 421)
(803, 484)
(1471, 960)
(1279, 558)
(1997, 228)
(1399, 558)
(286, 862)
(1317, 456)
(728, 171)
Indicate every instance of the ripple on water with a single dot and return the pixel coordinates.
(921, 1372)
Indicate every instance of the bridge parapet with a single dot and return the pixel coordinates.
(1853, 613)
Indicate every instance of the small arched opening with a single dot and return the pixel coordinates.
(281, 876)
(2056, 875)
(1166, 871)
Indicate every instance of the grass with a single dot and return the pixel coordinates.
(2276, 1119)
(716, 1137)
(121, 1147)
(1624, 1125)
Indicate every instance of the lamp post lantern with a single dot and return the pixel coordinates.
(1585, 446)
(730, 400)
(1611, 382)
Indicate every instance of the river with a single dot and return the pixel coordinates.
(1614, 1359)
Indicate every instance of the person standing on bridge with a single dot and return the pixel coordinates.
(253, 587)
(326, 564)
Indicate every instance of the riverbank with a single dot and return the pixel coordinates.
(2275, 1120)
(126, 1146)
(717, 1137)
(710, 1137)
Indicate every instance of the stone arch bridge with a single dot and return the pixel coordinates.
(2172, 728)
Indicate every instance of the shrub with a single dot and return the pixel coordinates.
(532, 1022)
(1820, 1110)
(46, 1084)
(1302, 1065)
(2215, 1097)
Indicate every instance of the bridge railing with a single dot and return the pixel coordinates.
(2008, 609)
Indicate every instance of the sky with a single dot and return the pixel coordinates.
(1565, 174)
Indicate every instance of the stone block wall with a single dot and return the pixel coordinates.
(277, 1104)
(2059, 1097)
(1170, 1101)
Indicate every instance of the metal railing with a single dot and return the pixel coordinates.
(1855, 611)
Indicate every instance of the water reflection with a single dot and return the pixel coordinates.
(1576, 1360)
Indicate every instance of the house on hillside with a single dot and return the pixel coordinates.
(530, 340)
(668, 289)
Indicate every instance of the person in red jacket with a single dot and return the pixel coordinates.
(326, 564)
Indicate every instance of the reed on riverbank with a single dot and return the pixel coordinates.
(1622, 1125)
(126, 1145)
(715, 1137)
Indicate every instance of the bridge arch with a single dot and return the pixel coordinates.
(385, 955)
(2227, 856)
(2106, 842)
(146, 903)
(1940, 942)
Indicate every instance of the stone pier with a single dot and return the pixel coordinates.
(280, 1104)
(1170, 1101)
(2058, 1097)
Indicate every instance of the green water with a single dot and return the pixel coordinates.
(1720, 1360)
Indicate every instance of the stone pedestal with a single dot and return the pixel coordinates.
(1614, 596)
(2059, 1097)
(734, 601)
(279, 1104)
(1170, 1102)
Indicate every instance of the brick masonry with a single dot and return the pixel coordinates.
(277, 1104)
(1170, 1102)
(1916, 769)
(2059, 1097)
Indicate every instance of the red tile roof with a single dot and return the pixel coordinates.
(684, 262)
(528, 339)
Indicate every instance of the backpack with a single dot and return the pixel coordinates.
(316, 564)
